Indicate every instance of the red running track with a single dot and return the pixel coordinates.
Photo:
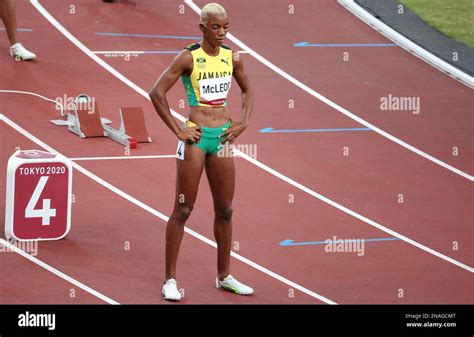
(437, 203)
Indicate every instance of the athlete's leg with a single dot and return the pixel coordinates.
(220, 172)
(7, 13)
(189, 173)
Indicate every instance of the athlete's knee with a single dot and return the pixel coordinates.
(224, 213)
(183, 211)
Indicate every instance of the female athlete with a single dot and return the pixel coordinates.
(206, 69)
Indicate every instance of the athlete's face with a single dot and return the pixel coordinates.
(216, 29)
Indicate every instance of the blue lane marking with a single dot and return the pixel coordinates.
(150, 36)
(287, 243)
(121, 52)
(307, 44)
(271, 130)
(162, 52)
(19, 29)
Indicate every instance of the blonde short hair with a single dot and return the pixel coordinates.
(211, 9)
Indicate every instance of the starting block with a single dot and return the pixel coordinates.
(85, 121)
(133, 124)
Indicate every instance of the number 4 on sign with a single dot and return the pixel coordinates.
(45, 213)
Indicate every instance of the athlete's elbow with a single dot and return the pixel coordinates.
(151, 93)
(248, 92)
(247, 89)
(156, 95)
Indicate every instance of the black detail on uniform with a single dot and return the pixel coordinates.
(193, 46)
(225, 47)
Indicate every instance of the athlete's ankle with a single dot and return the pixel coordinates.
(222, 276)
(169, 278)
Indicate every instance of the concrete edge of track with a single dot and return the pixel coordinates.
(407, 44)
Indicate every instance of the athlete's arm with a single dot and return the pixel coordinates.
(246, 98)
(246, 90)
(183, 63)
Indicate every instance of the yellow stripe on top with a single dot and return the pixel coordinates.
(211, 78)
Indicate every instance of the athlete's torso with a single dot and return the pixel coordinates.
(209, 82)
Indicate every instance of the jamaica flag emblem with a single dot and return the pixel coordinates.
(201, 62)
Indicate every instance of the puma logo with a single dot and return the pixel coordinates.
(226, 62)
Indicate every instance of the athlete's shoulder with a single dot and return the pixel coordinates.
(183, 61)
(225, 47)
(193, 46)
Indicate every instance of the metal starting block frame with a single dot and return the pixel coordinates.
(86, 122)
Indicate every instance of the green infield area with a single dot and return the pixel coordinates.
(454, 18)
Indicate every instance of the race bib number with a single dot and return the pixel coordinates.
(180, 150)
(214, 90)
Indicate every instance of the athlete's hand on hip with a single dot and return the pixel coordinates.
(233, 132)
(190, 135)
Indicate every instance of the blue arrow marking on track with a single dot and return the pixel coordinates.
(272, 130)
(307, 44)
(19, 29)
(150, 36)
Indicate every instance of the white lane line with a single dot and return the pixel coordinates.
(57, 272)
(333, 105)
(161, 215)
(354, 214)
(123, 157)
(142, 92)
